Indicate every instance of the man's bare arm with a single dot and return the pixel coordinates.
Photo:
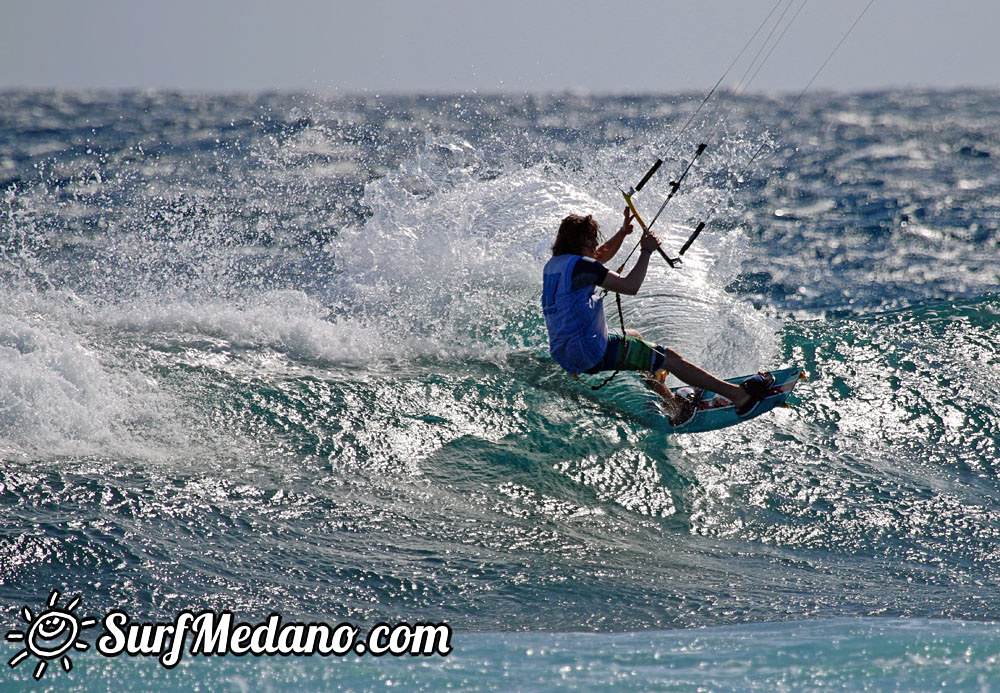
(607, 251)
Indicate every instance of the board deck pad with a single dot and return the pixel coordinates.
(715, 411)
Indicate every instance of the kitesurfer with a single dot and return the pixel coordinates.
(573, 304)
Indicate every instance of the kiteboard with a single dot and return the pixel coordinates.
(714, 411)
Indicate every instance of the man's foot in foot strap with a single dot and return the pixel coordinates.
(689, 405)
(758, 387)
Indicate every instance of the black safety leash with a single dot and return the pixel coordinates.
(618, 360)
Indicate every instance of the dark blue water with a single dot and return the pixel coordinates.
(284, 353)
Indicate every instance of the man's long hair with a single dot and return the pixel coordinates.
(574, 232)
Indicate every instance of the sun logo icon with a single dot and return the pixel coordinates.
(51, 635)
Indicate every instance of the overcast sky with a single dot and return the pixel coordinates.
(488, 45)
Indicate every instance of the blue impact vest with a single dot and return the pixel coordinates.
(578, 333)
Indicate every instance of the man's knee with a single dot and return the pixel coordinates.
(633, 333)
(670, 356)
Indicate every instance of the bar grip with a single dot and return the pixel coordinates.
(694, 235)
(649, 174)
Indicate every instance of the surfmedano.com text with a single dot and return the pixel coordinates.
(211, 633)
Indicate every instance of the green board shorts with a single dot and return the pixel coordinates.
(629, 354)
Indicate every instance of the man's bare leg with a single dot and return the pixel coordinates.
(673, 404)
(689, 373)
(697, 377)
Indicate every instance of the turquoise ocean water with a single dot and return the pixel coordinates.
(284, 353)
